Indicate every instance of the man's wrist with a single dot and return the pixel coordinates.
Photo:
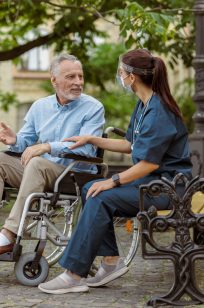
(12, 143)
(15, 140)
(47, 147)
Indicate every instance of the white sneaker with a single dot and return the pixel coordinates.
(107, 273)
(64, 283)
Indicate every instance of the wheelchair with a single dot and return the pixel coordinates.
(49, 218)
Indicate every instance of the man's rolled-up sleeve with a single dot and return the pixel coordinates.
(59, 147)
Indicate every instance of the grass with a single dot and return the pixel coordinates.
(5, 210)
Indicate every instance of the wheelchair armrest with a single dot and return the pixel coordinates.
(116, 131)
(77, 159)
(96, 160)
(66, 155)
(10, 153)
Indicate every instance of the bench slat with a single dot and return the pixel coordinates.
(198, 202)
(197, 205)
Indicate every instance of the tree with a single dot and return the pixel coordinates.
(162, 26)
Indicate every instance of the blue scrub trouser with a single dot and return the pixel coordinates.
(94, 233)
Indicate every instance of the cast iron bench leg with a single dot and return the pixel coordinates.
(184, 250)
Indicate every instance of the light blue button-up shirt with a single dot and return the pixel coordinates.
(49, 122)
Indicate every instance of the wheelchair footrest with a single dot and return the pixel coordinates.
(12, 256)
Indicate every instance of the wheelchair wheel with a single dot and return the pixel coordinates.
(52, 251)
(127, 237)
(26, 274)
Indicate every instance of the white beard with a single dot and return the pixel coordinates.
(68, 96)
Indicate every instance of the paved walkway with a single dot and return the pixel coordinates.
(131, 291)
(145, 278)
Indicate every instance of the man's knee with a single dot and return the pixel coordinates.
(3, 163)
(36, 163)
(3, 158)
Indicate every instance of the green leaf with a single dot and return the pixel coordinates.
(7, 99)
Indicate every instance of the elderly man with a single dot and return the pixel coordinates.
(68, 112)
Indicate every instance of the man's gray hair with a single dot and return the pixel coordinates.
(54, 67)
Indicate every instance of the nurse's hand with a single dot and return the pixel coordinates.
(97, 187)
(79, 141)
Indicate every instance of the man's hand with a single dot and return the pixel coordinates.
(34, 150)
(7, 135)
(97, 187)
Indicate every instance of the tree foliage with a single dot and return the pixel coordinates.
(7, 100)
(164, 26)
(160, 25)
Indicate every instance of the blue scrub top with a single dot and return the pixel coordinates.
(158, 136)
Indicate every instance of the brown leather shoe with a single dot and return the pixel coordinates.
(6, 248)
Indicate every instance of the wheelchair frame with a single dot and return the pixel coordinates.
(32, 268)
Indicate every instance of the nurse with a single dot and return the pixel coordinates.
(158, 142)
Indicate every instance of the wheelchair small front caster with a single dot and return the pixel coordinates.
(28, 274)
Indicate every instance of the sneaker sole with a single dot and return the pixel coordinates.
(109, 278)
(68, 290)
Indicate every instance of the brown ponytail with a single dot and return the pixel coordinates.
(160, 85)
(152, 72)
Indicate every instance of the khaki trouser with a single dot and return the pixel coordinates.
(37, 176)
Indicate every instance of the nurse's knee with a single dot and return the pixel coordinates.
(84, 191)
(86, 187)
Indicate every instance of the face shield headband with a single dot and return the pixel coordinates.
(135, 70)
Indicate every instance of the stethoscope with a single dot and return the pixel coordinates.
(136, 128)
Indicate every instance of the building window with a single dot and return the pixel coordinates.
(37, 59)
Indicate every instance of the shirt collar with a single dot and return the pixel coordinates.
(69, 105)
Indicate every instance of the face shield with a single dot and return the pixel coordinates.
(122, 72)
(124, 68)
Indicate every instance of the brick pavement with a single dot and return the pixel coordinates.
(130, 291)
(145, 278)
